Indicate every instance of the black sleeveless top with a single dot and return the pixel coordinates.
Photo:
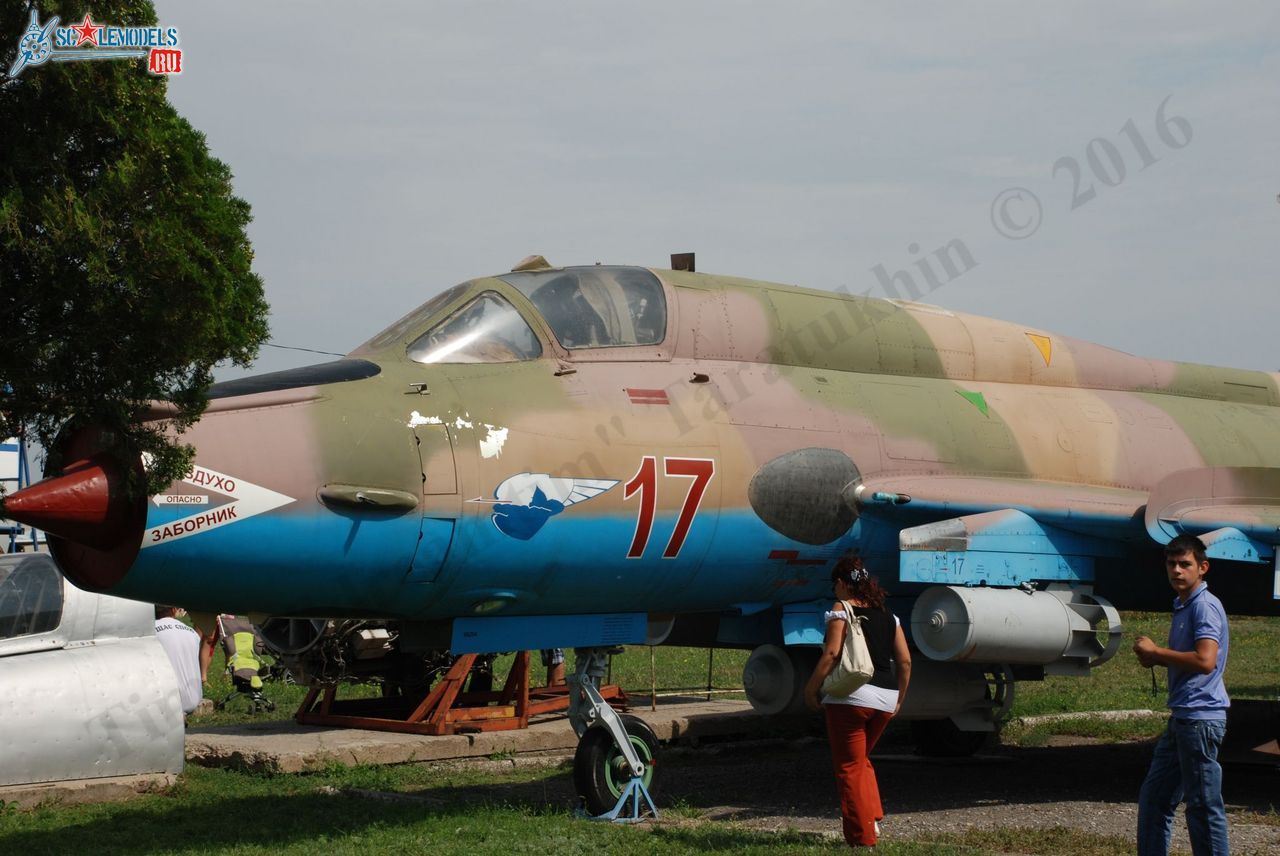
(880, 630)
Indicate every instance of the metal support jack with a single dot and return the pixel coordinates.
(632, 794)
(446, 708)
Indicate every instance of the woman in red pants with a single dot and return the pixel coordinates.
(855, 722)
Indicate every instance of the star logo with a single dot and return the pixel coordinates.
(87, 31)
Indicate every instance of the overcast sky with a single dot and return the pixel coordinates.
(392, 150)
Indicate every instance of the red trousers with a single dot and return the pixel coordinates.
(853, 732)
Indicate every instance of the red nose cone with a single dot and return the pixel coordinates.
(86, 504)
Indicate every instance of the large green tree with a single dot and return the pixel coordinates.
(125, 269)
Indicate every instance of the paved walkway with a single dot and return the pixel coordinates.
(287, 747)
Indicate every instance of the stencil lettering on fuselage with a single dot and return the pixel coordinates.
(247, 500)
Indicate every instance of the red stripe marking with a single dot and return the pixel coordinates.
(648, 396)
(793, 557)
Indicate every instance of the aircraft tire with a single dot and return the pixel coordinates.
(804, 659)
(774, 678)
(599, 768)
(942, 738)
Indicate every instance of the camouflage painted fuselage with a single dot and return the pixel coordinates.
(717, 469)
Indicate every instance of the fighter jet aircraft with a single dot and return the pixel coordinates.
(592, 456)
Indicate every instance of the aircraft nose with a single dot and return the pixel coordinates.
(96, 527)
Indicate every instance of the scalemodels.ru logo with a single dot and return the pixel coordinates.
(87, 40)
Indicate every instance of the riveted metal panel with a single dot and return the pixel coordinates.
(94, 696)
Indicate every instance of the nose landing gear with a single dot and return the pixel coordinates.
(615, 765)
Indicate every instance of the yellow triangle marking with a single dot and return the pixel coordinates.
(1043, 344)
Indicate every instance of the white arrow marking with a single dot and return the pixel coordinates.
(248, 500)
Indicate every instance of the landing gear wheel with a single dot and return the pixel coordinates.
(942, 738)
(600, 771)
(774, 678)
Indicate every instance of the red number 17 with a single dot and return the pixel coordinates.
(645, 482)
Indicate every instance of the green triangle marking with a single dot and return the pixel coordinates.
(976, 399)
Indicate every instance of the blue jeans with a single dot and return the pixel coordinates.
(1185, 765)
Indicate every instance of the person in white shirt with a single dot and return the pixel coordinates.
(182, 644)
(855, 722)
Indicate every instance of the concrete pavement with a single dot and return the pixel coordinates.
(287, 747)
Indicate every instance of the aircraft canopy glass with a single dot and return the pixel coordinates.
(486, 330)
(397, 331)
(30, 598)
(597, 307)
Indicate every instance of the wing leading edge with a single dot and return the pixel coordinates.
(1006, 532)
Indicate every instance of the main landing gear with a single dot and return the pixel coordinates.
(615, 766)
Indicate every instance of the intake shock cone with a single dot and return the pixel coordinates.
(83, 505)
(94, 527)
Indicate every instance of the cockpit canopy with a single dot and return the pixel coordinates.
(597, 307)
(585, 307)
(486, 330)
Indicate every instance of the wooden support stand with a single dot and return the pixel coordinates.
(446, 709)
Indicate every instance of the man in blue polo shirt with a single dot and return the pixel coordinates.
(1185, 765)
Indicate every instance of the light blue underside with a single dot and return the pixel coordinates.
(321, 562)
(328, 563)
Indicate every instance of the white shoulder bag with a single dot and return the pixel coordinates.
(855, 667)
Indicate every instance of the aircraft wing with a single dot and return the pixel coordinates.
(1007, 531)
(1234, 510)
(1072, 506)
(959, 530)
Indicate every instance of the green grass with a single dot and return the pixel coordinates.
(1028, 840)
(287, 697)
(446, 809)
(679, 669)
(442, 809)
(1122, 684)
(1016, 733)
(366, 810)
(676, 669)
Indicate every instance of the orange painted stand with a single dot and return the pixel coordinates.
(446, 709)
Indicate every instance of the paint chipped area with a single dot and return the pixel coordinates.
(416, 419)
(491, 445)
(462, 423)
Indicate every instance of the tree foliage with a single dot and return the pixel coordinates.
(125, 269)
